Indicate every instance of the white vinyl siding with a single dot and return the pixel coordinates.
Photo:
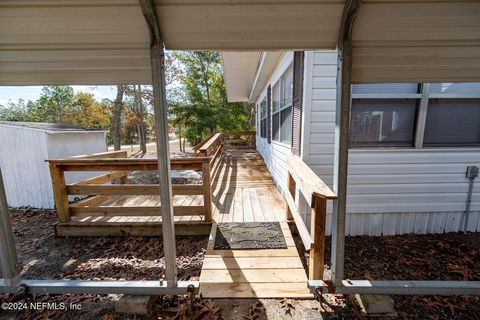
(275, 154)
(390, 190)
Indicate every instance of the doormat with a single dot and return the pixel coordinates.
(249, 235)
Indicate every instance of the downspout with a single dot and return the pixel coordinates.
(471, 174)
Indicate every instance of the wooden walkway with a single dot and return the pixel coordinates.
(242, 191)
(245, 192)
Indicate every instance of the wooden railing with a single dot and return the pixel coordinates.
(316, 192)
(119, 166)
(209, 154)
(216, 145)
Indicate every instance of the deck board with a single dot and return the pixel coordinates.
(254, 273)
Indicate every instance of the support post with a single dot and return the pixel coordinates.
(157, 57)
(317, 231)
(342, 124)
(291, 186)
(60, 194)
(207, 190)
(8, 253)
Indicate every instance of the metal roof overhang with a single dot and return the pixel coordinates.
(107, 41)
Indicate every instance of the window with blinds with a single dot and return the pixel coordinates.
(276, 112)
(382, 116)
(263, 118)
(382, 122)
(282, 95)
(386, 115)
(452, 122)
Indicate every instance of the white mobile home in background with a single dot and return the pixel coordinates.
(410, 143)
(25, 147)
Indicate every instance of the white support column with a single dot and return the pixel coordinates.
(8, 253)
(422, 116)
(342, 126)
(160, 108)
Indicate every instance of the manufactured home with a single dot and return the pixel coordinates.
(26, 146)
(409, 148)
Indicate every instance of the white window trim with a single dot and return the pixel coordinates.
(279, 82)
(424, 96)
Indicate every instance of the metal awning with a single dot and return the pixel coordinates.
(105, 41)
(398, 41)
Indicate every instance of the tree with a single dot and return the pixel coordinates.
(116, 118)
(87, 112)
(55, 104)
(202, 107)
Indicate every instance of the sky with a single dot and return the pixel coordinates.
(33, 92)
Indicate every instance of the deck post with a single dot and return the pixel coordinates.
(291, 186)
(8, 253)
(207, 190)
(342, 124)
(157, 56)
(317, 231)
(60, 194)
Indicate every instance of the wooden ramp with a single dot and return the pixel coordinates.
(258, 273)
(245, 192)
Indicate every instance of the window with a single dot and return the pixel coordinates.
(282, 93)
(452, 122)
(382, 122)
(276, 112)
(383, 114)
(263, 118)
(386, 115)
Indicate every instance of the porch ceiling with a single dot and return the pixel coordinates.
(106, 41)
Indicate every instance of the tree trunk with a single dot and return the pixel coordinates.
(141, 123)
(180, 137)
(117, 115)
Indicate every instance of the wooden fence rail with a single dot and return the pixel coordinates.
(209, 154)
(118, 166)
(316, 192)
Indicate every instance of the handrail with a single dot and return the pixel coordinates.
(201, 143)
(316, 192)
(107, 154)
(307, 180)
(210, 146)
(218, 143)
(120, 168)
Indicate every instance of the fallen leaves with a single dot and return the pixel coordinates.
(287, 306)
(256, 311)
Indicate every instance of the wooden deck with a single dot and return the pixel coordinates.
(245, 192)
(242, 191)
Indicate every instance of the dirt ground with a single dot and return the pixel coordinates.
(445, 257)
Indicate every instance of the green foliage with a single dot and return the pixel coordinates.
(201, 105)
(59, 104)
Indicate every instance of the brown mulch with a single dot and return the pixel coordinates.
(450, 256)
(151, 177)
(43, 256)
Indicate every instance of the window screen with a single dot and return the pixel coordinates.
(275, 112)
(385, 88)
(386, 122)
(286, 124)
(452, 122)
(455, 88)
(263, 118)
